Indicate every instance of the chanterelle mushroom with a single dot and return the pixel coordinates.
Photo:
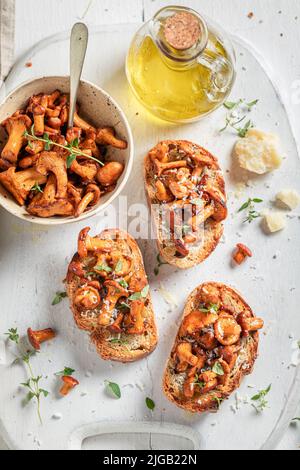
(106, 136)
(87, 243)
(50, 162)
(46, 205)
(114, 292)
(15, 127)
(134, 322)
(20, 183)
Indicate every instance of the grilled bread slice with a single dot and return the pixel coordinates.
(216, 346)
(186, 194)
(109, 295)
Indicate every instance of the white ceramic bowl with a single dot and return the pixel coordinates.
(99, 108)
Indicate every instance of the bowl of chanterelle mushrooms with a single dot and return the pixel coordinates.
(50, 174)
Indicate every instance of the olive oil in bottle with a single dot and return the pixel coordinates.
(178, 68)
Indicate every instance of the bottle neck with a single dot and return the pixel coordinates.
(181, 35)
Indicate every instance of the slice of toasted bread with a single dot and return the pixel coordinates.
(121, 346)
(240, 360)
(211, 182)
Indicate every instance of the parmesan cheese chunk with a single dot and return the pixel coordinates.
(289, 198)
(274, 222)
(258, 152)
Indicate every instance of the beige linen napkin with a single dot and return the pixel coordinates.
(7, 36)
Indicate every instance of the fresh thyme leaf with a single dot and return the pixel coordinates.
(252, 103)
(44, 392)
(212, 308)
(46, 137)
(245, 206)
(298, 343)
(242, 131)
(140, 295)
(75, 143)
(114, 389)
(257, 201)
(59, 297)
(103, 267)
(118, 341)
(71, 159)
(295, 419)
(150, 403)
(123, 283)
(13, 335)
(29, 396)
(231, 104)
(119, 266)
(145, 291)
(68, 371)
(37, 188)
(135, 296)
(260, 399)
(218, 369)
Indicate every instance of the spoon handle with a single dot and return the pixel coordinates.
(78, 47)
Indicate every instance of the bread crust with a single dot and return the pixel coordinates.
(131, 347)
(210, 401)
(213, 230)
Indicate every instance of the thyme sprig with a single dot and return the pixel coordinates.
(252, 212)
(72, 148)
(260, 400)
(234, 118)
(34, 391)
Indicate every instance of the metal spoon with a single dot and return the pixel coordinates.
(78, 47)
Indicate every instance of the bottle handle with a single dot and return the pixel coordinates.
(222, 73)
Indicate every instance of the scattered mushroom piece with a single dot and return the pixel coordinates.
(15, 127)
(36, 338)
(241, 253)
(109, 174)
(69, 383)
(20, 183)
(106, 136)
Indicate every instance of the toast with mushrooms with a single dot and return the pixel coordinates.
(186, 194)
(216, 346)
(109, 295)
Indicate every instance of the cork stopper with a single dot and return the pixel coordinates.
(182, 30)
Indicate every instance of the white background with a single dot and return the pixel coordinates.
(274, 30)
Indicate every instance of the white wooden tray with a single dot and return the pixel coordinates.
(34, 261)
